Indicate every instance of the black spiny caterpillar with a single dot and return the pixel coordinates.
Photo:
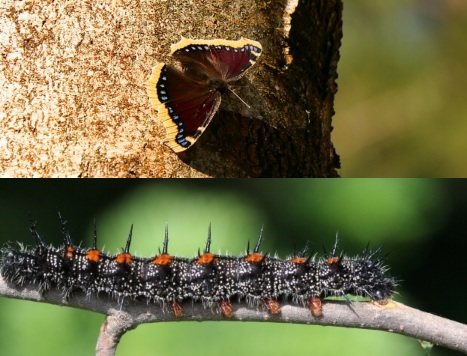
(209, 278)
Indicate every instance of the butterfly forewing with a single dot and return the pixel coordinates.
(227, 59)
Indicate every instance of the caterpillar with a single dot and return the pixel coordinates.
(212, 279)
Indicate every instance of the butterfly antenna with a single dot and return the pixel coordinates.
(239, 98)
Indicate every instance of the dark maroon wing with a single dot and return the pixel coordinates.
(185, 106)
(217, 58)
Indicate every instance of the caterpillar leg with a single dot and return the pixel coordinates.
(316, 307)
(273, 306)
(226, 308)
(177, 309)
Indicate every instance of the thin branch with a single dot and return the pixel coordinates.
(392, 317)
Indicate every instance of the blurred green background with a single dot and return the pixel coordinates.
(421, 223)
(401, 108)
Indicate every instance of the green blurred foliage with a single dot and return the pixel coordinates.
(419, 222)
(401, 108)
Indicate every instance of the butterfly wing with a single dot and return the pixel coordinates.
(227, 59)
(187, 101)
(186, 106)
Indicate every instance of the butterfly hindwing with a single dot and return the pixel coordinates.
(185, 106)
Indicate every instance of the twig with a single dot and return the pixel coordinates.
(392, 317)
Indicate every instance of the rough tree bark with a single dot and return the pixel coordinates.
(73, 101)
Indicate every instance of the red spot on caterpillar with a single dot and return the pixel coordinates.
(316, 307)
(333, 261)
(70, 251)
(177, 309)
(163, 260)
(298, 260)
(124, 258)
(254, 258)
(206, 258)
(93, 255)
(273, 306)
(226, 308)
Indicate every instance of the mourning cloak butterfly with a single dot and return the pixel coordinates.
(187, 100)
(208, 278)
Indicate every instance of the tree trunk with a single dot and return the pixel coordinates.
(73, 100)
